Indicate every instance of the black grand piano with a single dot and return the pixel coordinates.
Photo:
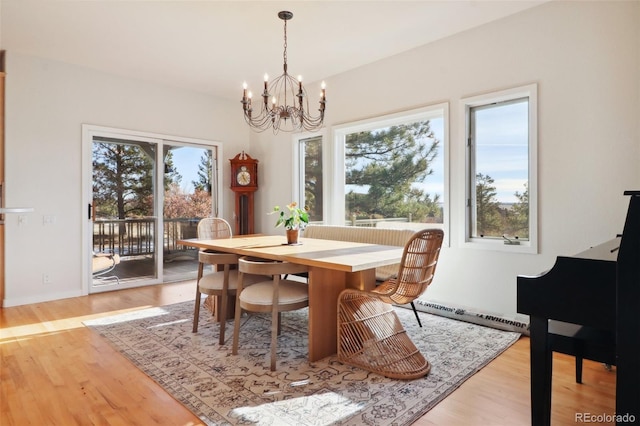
(596, 291)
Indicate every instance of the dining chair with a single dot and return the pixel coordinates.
(370, 333)
(416, 273)
(211, 228)
(273, 296)
(221, 283)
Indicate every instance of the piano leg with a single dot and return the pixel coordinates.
(541, 368)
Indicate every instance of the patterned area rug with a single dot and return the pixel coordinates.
(223, 389)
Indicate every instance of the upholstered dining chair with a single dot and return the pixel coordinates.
(220, 283)
(370, 334)
(274, 296)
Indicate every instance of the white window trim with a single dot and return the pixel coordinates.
(340, 132)
(531, 247)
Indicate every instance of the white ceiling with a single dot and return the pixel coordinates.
(213, 46)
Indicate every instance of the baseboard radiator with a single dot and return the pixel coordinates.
(471, 315)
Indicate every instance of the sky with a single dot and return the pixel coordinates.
(186, 161)
(502, 147)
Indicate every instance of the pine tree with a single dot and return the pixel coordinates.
(122, 180)
(519, 214)
(488, 218)
(313, 182)
(387, 162)
(171, 175)
(204, 173)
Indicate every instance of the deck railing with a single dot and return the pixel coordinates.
(136, 237)
(372, 223)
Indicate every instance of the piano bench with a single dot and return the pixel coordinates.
(582, 342)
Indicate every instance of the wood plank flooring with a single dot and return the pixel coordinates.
(54, 371)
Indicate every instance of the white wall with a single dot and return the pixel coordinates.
(46, 104)
(585, 58)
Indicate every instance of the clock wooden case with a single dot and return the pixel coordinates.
(244, 182)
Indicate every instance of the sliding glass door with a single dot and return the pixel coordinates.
(144, 194)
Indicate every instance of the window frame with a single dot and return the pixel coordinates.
(339, 133)
(466, 104)
(297, 189)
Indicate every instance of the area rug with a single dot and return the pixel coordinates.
(223, 389)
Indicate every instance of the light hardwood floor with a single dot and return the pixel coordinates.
(54, 371)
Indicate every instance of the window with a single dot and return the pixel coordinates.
(310, 189)
(501, 185)
(392, 169)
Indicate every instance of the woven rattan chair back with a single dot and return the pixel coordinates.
(211, 228)
(417, 267)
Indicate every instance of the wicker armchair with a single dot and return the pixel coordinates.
(370, 334)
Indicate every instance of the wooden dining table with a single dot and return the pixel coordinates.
(333, 266)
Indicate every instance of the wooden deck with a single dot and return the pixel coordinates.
(135, 268)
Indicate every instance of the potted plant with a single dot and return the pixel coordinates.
(294, 222)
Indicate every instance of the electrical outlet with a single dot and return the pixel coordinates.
(48, 220)
(46, 278)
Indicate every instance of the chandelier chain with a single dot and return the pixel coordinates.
(284, 55)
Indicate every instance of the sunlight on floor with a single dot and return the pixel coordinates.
(164, 324)
(332, 407)
(10, 334)
(136, 314)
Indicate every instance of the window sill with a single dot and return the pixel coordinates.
(525, 247)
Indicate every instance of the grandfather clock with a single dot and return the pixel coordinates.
(244, 182)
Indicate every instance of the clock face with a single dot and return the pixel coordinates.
(243, 177)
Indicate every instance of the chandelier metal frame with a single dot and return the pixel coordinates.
(275, 111)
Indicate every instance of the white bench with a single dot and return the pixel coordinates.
(387, 237)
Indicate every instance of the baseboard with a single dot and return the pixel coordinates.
(471, 315)
(39, 298)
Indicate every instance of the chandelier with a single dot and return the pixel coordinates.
(275, 110)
